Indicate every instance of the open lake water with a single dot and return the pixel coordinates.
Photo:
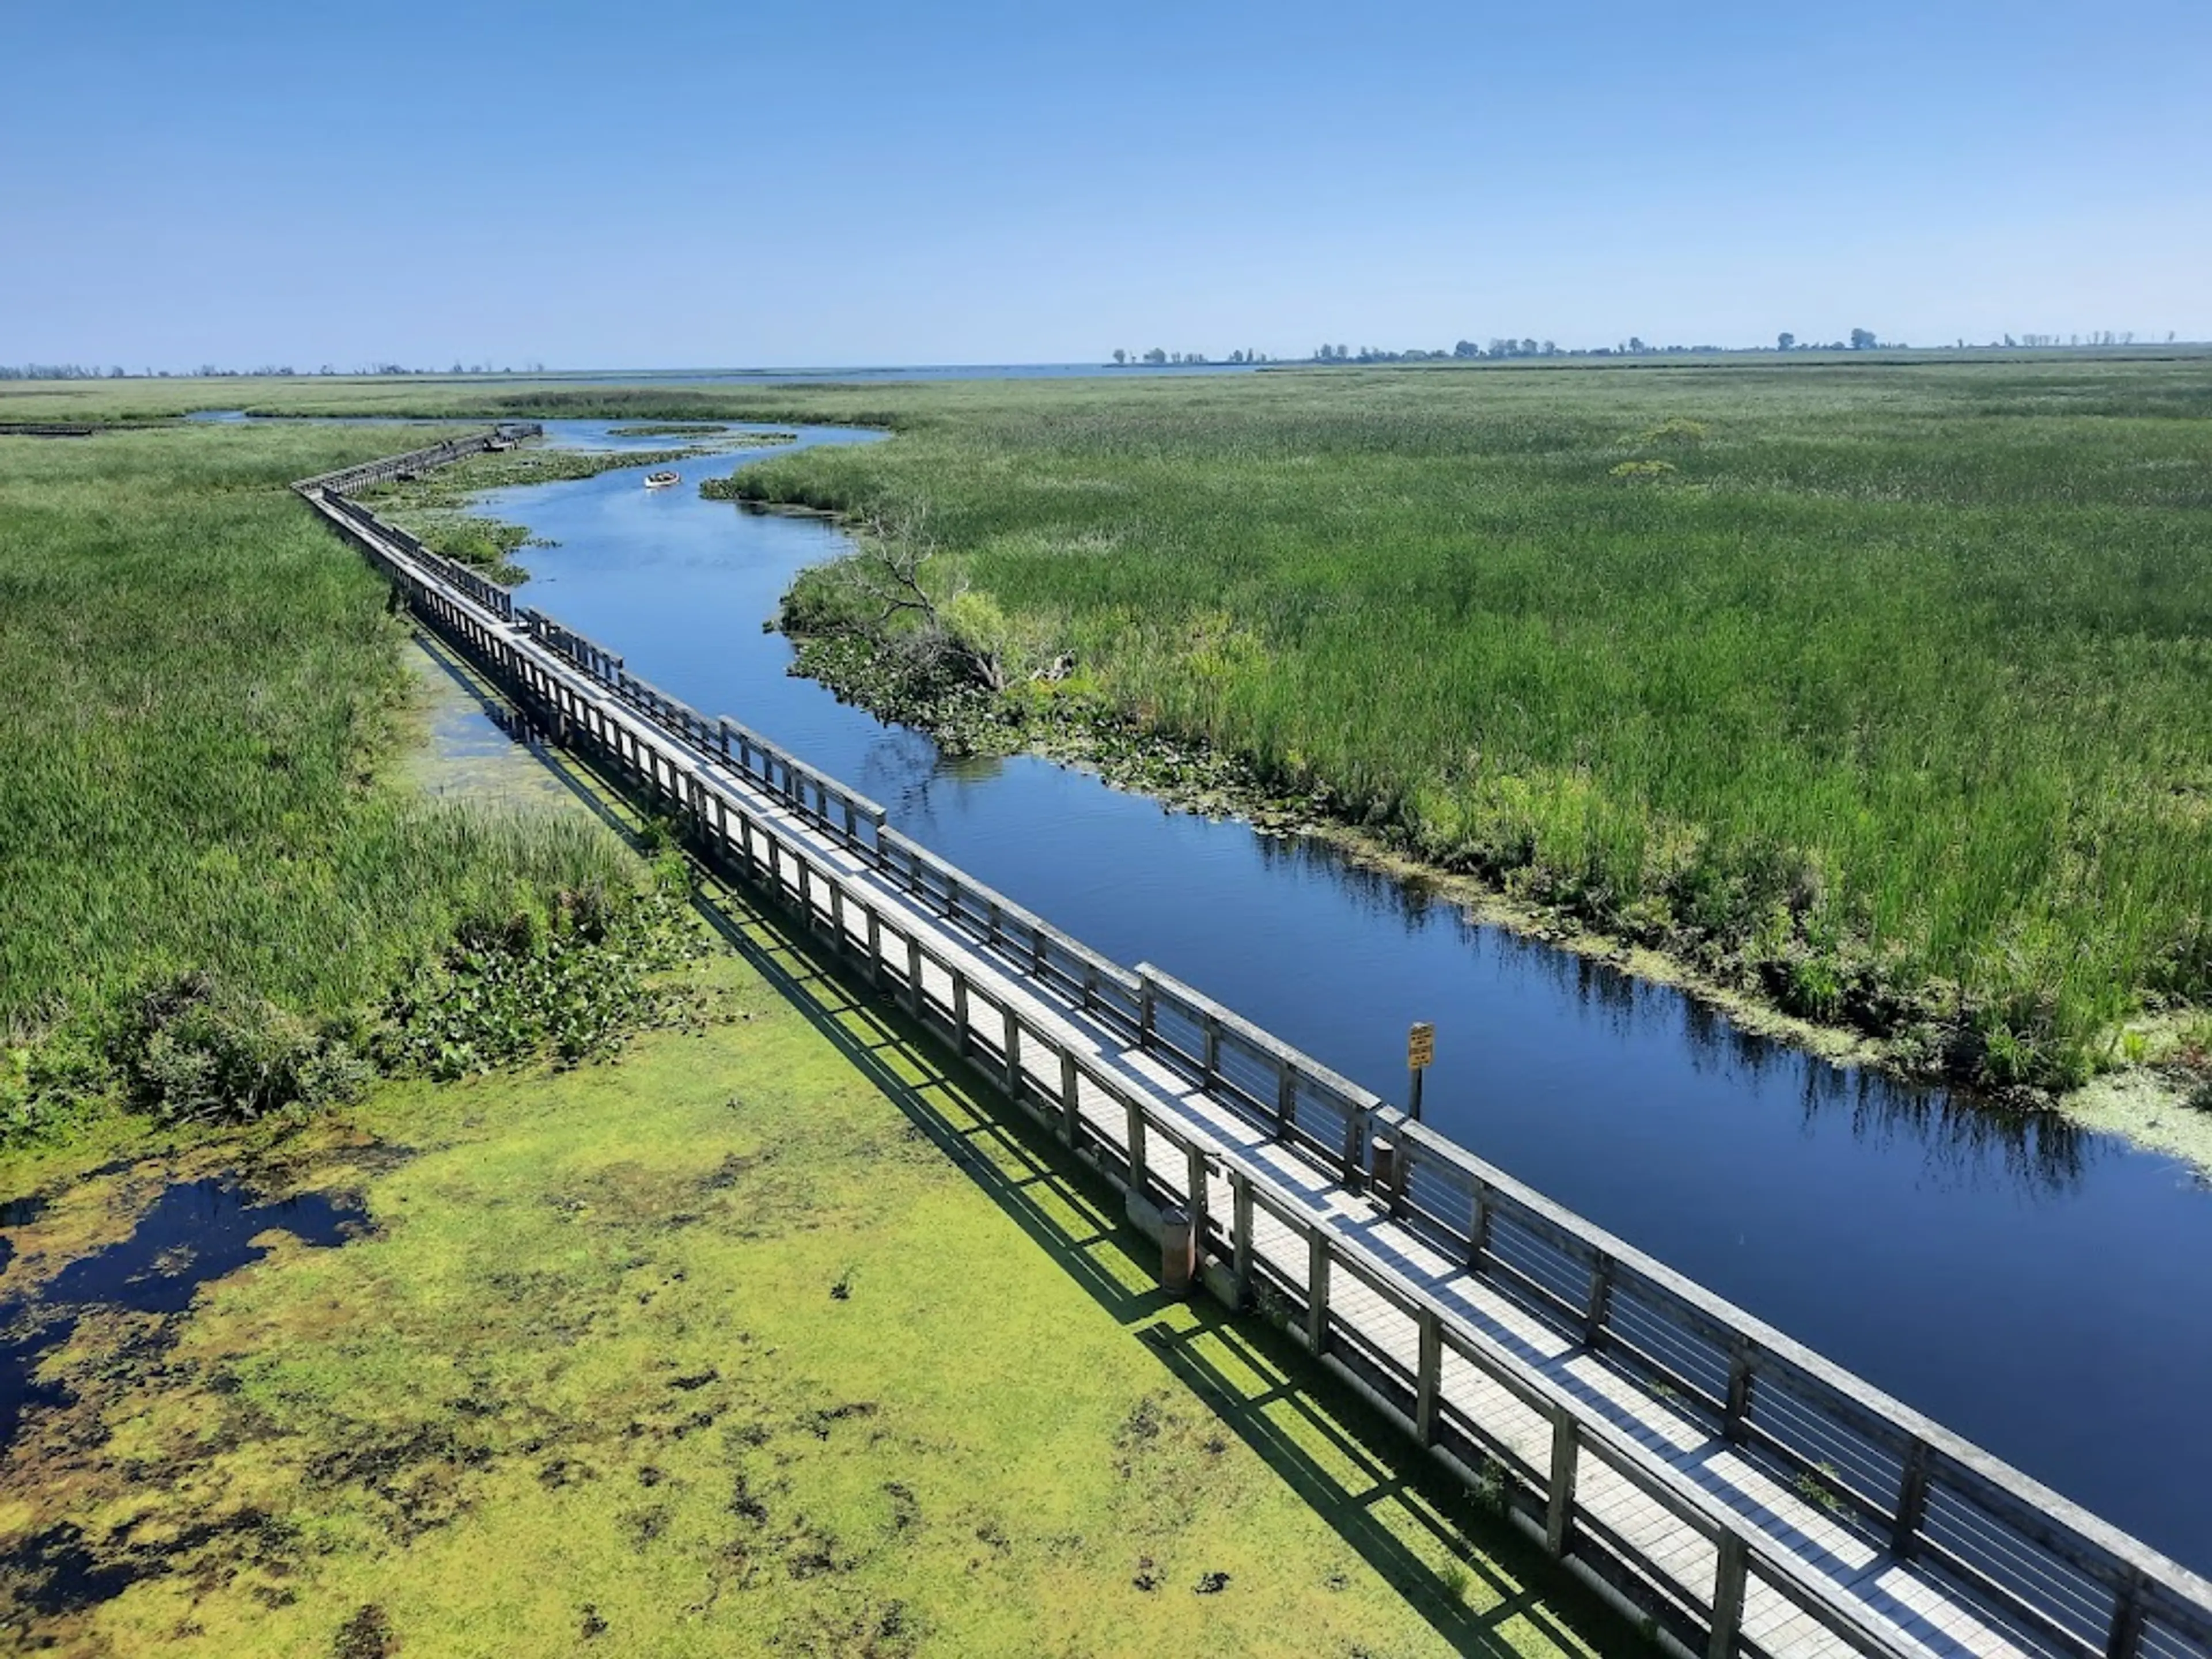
(2042, 1290)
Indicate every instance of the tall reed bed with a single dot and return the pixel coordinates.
(1888, 689)
(200, 683)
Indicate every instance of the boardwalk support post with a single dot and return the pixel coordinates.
(1194, 1184)
(1728, 1568)
(1317, 1293)
(1240, 1229)
(1139, 1180)
(1739, 1384)
(1178, 1252)
(2125, 1640)
(1559, 1512)
(1599, 1303)
(1071, 1105)
(1912, 1502)
(1428, 1376)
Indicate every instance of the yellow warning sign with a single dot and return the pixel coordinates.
(1420, 1046)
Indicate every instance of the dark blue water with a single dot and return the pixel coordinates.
(2043, 1292)
(194, 1233)
(622, 436)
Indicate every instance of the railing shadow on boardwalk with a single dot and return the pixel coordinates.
(1346, 1465)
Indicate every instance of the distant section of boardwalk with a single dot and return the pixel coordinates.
(1728, 1488)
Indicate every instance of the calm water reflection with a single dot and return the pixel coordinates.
(2041, 1290)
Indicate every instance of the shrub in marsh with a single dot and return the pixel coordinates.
(46, 1086)
(919, 678)
(882, 629)
(193, 1050)
(571, 980)
(483, 544)
(820, 603)
(1676, 429)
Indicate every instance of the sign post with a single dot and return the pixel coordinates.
(1420, 1052)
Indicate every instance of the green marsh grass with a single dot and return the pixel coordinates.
(1886, 689)
(1878, 687)
(202, 685)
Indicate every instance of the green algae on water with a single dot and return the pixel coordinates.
(587, 1375)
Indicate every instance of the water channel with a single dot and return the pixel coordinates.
(2039, 1289)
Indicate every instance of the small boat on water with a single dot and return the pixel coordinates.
(661, 480)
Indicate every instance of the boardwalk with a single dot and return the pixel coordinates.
(1734, 1491)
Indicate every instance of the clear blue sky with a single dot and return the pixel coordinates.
(860, 182)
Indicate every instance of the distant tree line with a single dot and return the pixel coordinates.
(1159, 356)
(57, 372)
(1861, 339)
(2107, 337)
(1499, 349)
(213, 372)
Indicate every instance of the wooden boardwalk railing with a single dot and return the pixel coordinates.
(1718, 1481)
